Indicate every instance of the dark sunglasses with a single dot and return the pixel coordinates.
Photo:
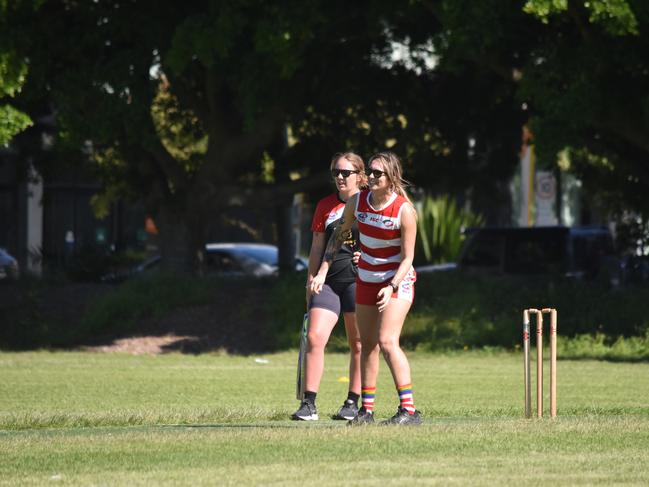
(375, 173)
(345, 172)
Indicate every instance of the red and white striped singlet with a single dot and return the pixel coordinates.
(380, 238)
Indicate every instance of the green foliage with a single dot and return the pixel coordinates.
(601, 346)
(457, 310)
(179, 129)
(616, 15)
(544, 8)
(287, 307)
(579, 68)
(452, 311)
(440, 227)
(121, 310)
(13, 68)
(110, 312)
(12, 122)
(13, 72)
(632, 234)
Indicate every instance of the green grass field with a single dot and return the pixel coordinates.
(102, 419)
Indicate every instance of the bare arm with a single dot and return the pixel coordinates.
(335, 242)
(408, 238)
(315, 256)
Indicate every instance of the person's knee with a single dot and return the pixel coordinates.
(355, 346)
(388, 344)
(316, 339)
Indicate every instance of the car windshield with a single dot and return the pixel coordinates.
(267, 255)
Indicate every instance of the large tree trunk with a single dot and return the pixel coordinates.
(182, 242)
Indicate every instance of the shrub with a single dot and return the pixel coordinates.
(454, 310)
(440, 226)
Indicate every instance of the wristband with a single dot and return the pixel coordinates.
(394, 287)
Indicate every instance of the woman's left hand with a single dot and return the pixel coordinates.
(316, 283)
(383, 297)
(356, 257)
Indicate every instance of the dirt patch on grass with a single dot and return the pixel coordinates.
(145, 345)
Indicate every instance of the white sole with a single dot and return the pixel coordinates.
(313, 417)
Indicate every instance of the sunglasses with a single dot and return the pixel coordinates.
(375, 173)
(345, 172)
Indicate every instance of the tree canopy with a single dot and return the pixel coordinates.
(195, 107)
(13, 70)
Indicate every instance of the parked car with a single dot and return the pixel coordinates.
(246, 259)
(235, 259)
(9, 269)
(580, 252)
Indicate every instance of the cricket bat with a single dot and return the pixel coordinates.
(301, 359)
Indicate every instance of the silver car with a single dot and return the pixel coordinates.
(233, 259)
(252, 259)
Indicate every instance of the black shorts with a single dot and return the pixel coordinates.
(336, 297)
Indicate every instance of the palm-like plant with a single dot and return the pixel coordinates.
(440, 227)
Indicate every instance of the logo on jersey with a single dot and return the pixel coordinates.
(361, 217)
(388, 223)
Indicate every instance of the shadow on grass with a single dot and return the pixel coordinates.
(161, 315)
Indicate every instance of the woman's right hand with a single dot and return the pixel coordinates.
(383, 297)
(316, 283)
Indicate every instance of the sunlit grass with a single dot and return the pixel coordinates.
(82, 419)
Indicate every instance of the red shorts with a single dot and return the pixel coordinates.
(366, 292)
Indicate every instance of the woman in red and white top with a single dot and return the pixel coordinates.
(337, 294)
(387, 224)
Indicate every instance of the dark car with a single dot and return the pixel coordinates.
(234, 259)
(9, 268)
(581, 252)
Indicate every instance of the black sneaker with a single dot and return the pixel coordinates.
(363, 417)
(348, 411)
(307, 412)
(404, 417)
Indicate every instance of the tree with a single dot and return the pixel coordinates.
(185, 104)
(581, 70)
(13, 71)
(182, 102)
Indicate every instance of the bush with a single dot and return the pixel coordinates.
(287, 308)
(471, 310)
(440, 226)
(600, 346)
(121, 310)
(454, 310)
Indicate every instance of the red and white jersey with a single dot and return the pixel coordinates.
(380, 238)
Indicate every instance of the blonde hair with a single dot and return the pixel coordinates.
(357, 163)
(393, 171)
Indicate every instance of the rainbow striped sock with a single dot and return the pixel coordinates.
(367, 395)
(405, 397)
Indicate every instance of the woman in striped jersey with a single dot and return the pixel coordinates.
(387, 224)
(337, 295)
